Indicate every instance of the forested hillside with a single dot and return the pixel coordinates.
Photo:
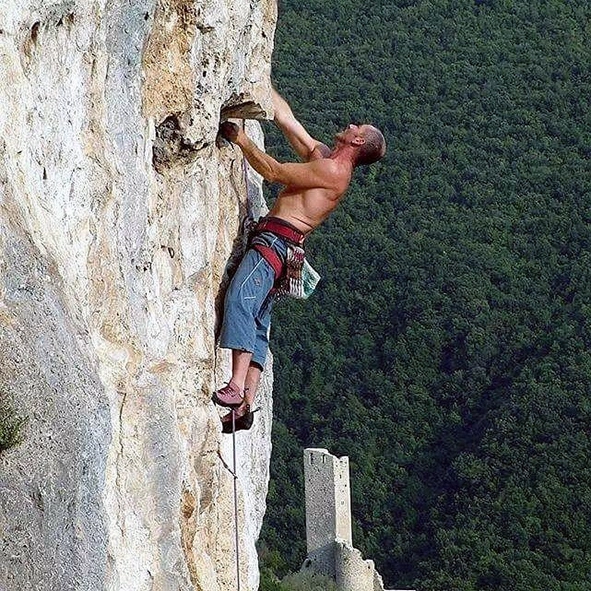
(447, 348)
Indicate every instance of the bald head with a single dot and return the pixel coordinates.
(374, 147)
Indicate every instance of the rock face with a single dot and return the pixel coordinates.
(118, 215)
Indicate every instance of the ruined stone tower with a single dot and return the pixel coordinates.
(328, 524)
(328, 506)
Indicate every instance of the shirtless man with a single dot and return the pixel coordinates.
(312, 191)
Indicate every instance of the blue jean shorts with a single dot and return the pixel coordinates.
(248, 302)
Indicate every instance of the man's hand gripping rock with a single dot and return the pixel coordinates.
(230, 131)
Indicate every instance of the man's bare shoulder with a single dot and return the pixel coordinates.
(328, 166)
(336, 175)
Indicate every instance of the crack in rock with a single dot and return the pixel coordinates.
(172, 147)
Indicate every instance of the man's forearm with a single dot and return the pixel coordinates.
(264, 164)
(294, 131)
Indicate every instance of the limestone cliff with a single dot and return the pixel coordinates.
(118, 214)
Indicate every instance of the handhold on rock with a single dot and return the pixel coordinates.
(236, 107)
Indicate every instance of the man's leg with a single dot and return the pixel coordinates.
(251, 385)
(240, 368)
(244, 381)
(243, 414)
(261, 348)
(246, 295)
(242, 418)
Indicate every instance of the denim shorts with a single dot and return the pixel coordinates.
(248, 302)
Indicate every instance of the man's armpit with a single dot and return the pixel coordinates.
(320, 151)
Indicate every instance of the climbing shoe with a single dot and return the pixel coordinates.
(229, 396)
(242, 422)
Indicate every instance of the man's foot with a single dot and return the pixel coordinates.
(230, 396)
(242, 422)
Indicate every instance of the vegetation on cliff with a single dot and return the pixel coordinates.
(301, 581)
(447, 350)
(11, 425)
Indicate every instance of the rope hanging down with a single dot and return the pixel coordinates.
(234, 472)
(235, 475)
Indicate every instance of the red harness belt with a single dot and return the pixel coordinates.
(281, 228)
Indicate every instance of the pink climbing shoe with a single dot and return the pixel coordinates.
(230, 396)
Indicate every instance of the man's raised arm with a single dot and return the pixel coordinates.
(302, 142)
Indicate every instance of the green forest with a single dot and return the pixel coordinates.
(447, 349)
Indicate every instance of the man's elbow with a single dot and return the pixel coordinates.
(273, 173)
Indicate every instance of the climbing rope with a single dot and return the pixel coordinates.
(235, 475)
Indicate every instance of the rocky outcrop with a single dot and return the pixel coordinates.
(118, 214)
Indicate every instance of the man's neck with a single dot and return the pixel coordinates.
(344, 154)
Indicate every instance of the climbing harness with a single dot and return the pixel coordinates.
(295, 277)
(281, 228)
(284, 230)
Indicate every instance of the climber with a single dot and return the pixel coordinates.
(312, 190)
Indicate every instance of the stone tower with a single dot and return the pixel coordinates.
(328, 525)
(328, 506)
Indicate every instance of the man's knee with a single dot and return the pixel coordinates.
(256, 365)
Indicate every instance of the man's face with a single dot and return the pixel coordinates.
(352, 131)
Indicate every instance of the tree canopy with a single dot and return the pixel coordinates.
(447, 350)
